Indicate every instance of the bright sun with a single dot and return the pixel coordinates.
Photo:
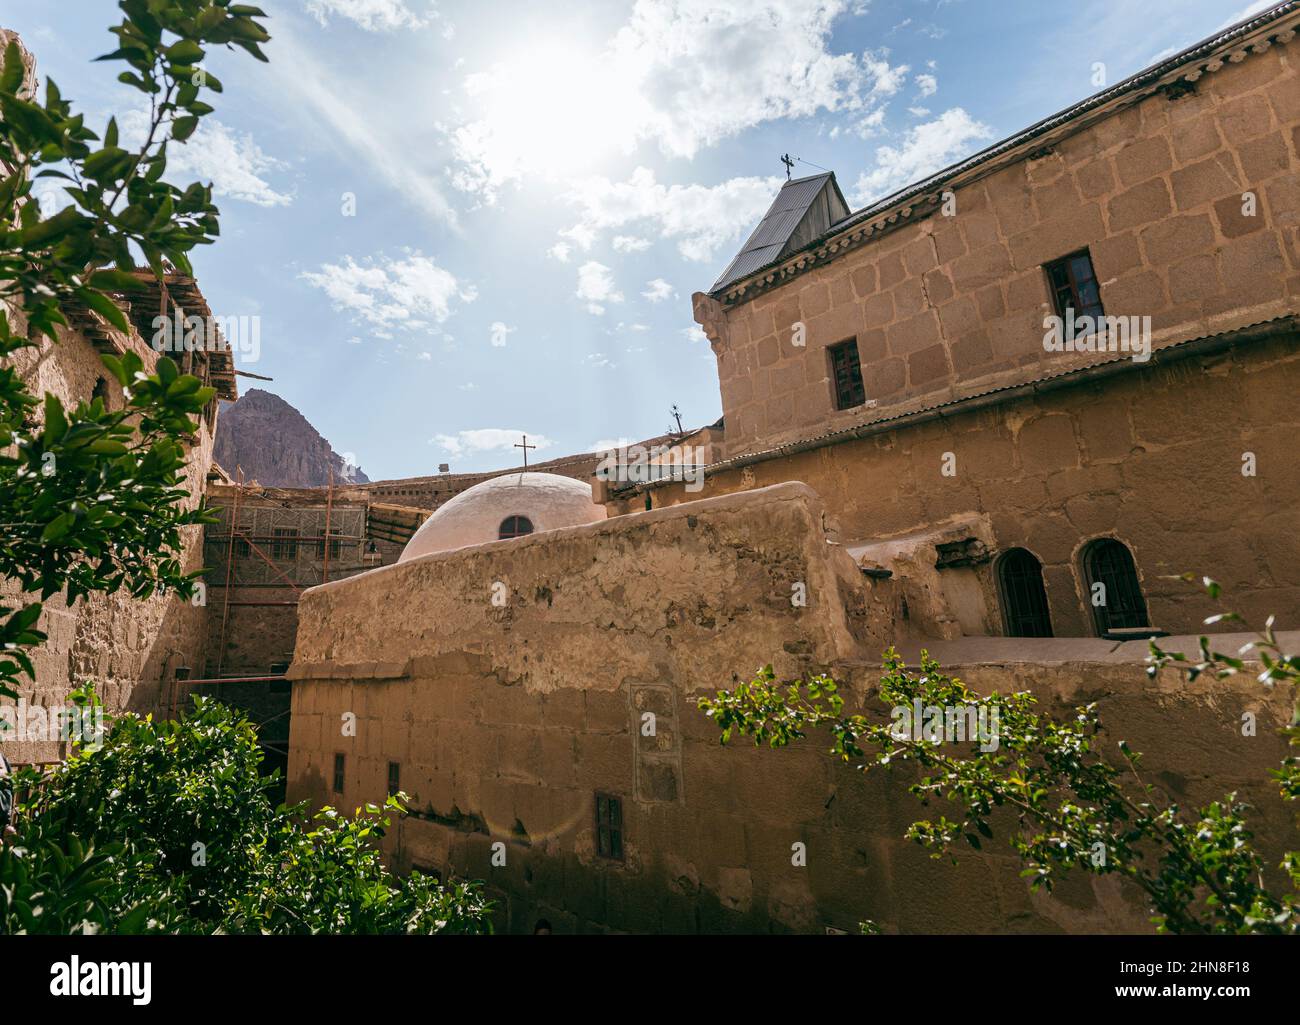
(550, 110)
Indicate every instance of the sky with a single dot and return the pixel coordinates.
(459, 222)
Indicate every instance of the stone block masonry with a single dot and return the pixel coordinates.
(514, 727)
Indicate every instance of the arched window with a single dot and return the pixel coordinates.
(1024, 599)
(1114, 594)
(515, 526)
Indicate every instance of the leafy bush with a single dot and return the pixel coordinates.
(1073, 807)
(168, 827)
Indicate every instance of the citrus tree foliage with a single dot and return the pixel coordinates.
(1064, 804)
(168, 827)
(90, 498)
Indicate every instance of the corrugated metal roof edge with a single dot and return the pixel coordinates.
(1275, 325)
(1145, 77)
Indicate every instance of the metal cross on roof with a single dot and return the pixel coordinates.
(789, 165)
(525, 446)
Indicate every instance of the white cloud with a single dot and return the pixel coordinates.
(599, 359)
(596, 285)
(658, 290)
(694, 334)
(488, 439)
(468, 386)
(629, 244)
(425, 357)
(373, 15)
(231, 161)
(926, 148)
(560, 251)
(700, 218)
(928, 84)
(1258, 7)
(499, 332)
(885, 79)
(869, 125)
(679, 74)
(411, 293)
(610, 444)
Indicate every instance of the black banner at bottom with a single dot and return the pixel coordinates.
(148, 975)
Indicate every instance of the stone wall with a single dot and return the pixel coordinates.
(129, 648)
(950, 306)
(1151, 456)
(504, 722)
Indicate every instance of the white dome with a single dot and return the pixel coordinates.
(476, 516)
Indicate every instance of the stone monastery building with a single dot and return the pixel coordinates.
(993, 416)
(914, 453)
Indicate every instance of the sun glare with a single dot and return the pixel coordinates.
(551, 110)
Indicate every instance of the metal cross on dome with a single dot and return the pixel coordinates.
(525, 446)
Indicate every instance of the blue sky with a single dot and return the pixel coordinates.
(539, 187)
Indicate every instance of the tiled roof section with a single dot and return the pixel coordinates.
(1255, 34)
(803, 210)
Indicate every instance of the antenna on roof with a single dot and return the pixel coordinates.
(789, 165)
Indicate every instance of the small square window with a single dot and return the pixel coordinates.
(846, 374)
(609, 827)
(338, 773)
(1074, 286)
(394, 778)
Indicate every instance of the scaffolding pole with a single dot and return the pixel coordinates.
(230, 566)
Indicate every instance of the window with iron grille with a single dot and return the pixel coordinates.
(1024, 599)
(1074, 286)
(394, 778)
(1119, 603)
(281, 549)
(846, 373)
(515, 526)
(338, 773)
(609, 827)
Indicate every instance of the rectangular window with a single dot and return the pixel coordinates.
(1074, 286)
(334, 547)
(609, 827)
(281, 549)
(338, 773)
(394, 778)
(846, 373)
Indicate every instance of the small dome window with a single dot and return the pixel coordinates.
(515, 526)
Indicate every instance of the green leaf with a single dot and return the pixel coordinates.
(12, 76)
(186, 51)
(56, 424)
(111, 279)
(105, 307)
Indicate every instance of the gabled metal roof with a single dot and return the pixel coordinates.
(804, 209)
(1149, 78)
